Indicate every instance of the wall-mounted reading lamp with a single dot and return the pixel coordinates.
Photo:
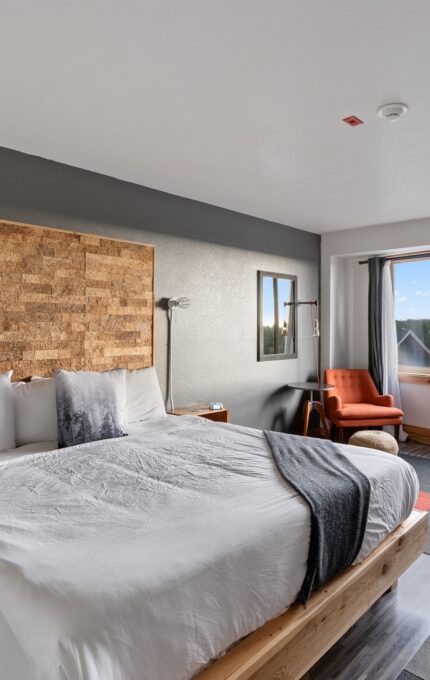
(172, 304)
(315, 327)
(315, 320)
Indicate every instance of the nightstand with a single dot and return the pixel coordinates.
(203, 410)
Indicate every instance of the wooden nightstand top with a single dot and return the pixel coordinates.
(203, 411)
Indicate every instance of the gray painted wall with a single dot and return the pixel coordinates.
(207, 253)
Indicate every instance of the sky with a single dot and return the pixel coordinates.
(412, 289)
(284, 287)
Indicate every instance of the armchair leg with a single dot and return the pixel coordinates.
(397, 433)
(341, 435)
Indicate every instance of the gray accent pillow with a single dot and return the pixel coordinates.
(86, 407)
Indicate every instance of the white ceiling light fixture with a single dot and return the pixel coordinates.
(392, 112)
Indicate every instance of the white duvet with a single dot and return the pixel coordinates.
(143, 558)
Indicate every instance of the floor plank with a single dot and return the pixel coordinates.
(382, 642)
(414, 449)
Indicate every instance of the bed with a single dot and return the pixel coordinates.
(175, 552)
(147, 557)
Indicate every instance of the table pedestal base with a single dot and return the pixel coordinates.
(314, 406)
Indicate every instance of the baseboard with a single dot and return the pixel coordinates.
(421, 435)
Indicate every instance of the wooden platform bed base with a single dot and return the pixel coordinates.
(288, 646)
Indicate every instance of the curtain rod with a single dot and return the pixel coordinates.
(399, 258)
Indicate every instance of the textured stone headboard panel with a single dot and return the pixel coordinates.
(73, 301)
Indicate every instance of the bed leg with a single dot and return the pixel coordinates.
(392, 588)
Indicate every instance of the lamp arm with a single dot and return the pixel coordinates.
(172, 304)
(302, 302)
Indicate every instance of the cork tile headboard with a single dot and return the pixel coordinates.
(73, 301)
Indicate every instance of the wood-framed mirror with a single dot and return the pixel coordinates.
(277, 316)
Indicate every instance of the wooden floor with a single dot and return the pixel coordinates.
(384, 640)
(413, 449)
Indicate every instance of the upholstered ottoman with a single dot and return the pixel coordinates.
(375, 439)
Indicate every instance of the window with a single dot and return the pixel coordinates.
(412, 310)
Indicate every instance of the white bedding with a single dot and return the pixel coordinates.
(142, 558)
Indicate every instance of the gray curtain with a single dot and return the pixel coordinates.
(376, 272)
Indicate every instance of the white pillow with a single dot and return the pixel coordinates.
(7, 422)
(119, 379)
(144, 398)
(35, 411)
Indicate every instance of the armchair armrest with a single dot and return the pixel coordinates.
(384, 400)
(333, 404)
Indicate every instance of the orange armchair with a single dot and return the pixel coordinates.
(355, 401)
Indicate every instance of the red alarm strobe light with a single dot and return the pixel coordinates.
(353, 121)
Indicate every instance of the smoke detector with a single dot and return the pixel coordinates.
(392, 112)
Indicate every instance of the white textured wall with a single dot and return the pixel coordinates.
(344, 289)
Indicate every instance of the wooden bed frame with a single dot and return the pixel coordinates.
(288, 646)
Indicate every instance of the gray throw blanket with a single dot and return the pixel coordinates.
(338, 495)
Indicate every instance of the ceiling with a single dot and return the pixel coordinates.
(235, 103)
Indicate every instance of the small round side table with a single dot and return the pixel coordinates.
(313, 405)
